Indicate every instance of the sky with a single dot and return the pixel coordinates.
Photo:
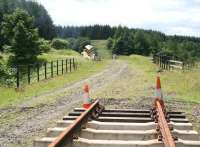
(181, 17)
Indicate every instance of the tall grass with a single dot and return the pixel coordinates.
(176, 84)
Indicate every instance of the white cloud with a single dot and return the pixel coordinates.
(170, 16)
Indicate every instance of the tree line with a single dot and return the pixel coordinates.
(27, 30)
(121, 40)
(126, 41)
(136, 41)
(98, 32)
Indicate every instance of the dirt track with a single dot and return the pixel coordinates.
(20, 124)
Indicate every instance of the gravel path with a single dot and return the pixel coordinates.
(20, 124)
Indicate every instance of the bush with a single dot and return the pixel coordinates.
(109, 43)
(6, 48)
(78, 44)
(7, 75)
(44, 45)
(58, 43)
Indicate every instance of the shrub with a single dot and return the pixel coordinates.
(44, 45)
(58, 43)
(7, 75)
(109, 43)
(78, 44)
(6, 48)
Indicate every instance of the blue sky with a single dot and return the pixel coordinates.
(181, 17)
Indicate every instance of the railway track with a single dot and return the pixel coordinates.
(99, 127)
(95, 126)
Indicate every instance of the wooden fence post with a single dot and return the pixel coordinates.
(73, 63)
(17, 76)
(159, 61)
(164, 63)
(62, 67)
(38, 72)
(45, 70)
(29, 74)
(70, 65)
(167, 65)
(57, 67)
(76, 64)
(66, 65)
(52, 69)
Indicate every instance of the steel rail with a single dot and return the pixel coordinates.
(163, 126)
(66, 137)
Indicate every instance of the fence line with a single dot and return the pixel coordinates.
(165, 62)
(31, 73)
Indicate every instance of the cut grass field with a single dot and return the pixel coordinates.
(9, 96)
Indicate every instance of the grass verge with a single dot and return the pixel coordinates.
(177, 84)
(9, 96)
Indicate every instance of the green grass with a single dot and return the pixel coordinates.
(178, 84)
(53, 55)
(59, 54)
(86, 68)
(185, 85)
(102, 49)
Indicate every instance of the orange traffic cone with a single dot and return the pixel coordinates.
(158, 89)
(86, 101)
(159, 95)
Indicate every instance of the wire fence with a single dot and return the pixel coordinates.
(32, 73)
(170, 63)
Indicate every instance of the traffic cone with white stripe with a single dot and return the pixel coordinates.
(86, 101)
(158, 89)
(159, 95)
